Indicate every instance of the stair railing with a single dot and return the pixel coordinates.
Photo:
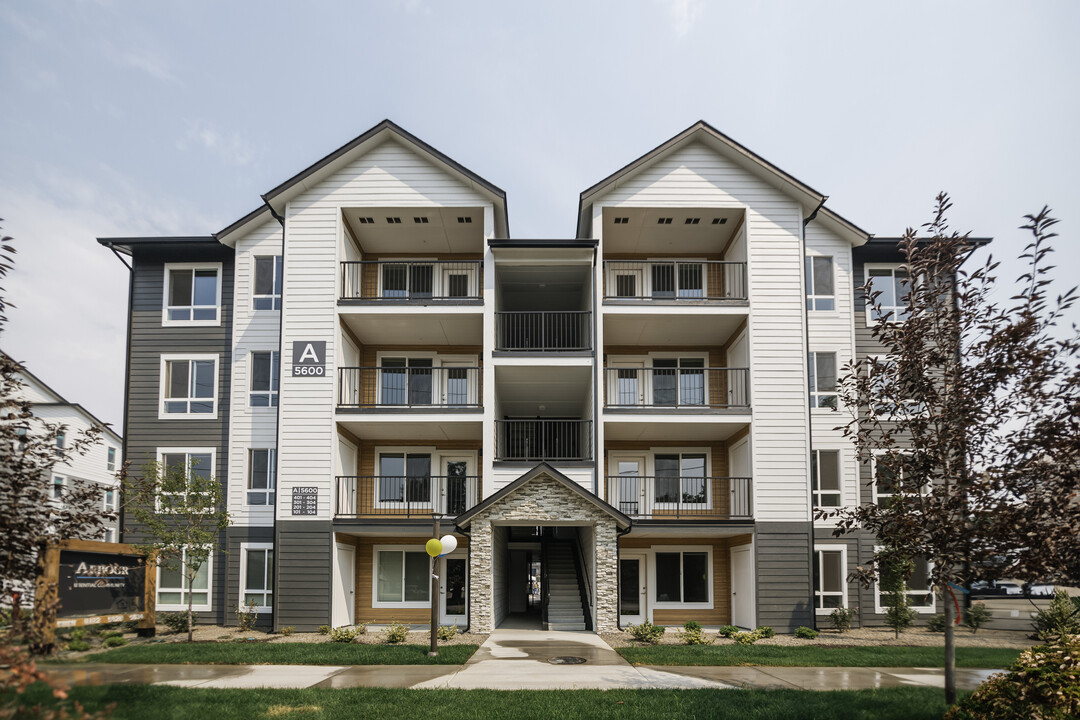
(583, 585)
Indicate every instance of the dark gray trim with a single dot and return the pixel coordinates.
(895, 241)
(128, 245)
(621, 520)
(242, 221)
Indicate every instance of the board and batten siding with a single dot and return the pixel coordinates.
(144, 431)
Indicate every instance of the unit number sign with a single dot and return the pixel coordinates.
(305, 501)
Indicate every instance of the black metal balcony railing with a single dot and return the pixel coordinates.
(543, 330)
(409, 387)
(536, 440)
(377, 496)
(676, 388)
(444, 280)
(696, 280)
(673, 498)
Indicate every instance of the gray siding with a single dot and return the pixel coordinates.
(233, 537)
(304, 573)
(144, 433)
(784, 591)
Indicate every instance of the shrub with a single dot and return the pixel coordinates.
(78, 645)
(177, 621)
(841, 618)
(324, 630)
(396, 633)
(976, 616)
(246, 616)
(342, 635)
(78, 634)
(115, 641)
(727, 631)
(805, 633)
(746, 638)
(288, 630)
(899, 616)
(646, 632)
(765, 631)
(691, 625)
(111, 634)
(446, 632)
(936, 623)
(1042, 683)
(1061, 617)
(692, 634)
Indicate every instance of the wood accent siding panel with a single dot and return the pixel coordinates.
(365, 568)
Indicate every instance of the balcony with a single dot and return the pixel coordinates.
(543, 440)
(405, 497)
(675, 282)
(681, 498)
(543, 331)
(677, 388)
(412, 282)
(412, 386)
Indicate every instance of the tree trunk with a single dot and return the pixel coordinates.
(950, 647)
(189, 627)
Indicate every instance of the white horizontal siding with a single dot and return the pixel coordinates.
(91, 465)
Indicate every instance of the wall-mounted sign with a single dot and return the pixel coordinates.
(309, 358)
(305, 501)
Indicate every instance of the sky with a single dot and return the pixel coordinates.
(133, 118)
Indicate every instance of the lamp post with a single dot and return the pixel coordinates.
(433, 650)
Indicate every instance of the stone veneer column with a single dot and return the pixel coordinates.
(607, 584)
(481, 617)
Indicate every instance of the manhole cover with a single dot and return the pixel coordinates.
(566, 660)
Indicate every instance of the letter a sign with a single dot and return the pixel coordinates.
(309, 358)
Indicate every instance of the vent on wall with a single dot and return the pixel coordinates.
(719, 221)
(420, 220)
(393, 220)
(663, 221)
(692, 221)
(622, 220)
(464, 220)
(366, 220)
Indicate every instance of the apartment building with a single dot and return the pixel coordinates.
(96, 466)
(633, 423)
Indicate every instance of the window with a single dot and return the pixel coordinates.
(830, 584)
(110, 462)
(267, 295)
(918, 592)
(265, 367)
(822, 372)
(405, 381)
(109, 535)
(820, 291)
(408, 280)
(404, 477)
(679, 381)
(57, 488)
(60, 440)
(21, 439)
(825, 478)
(257, 575)
(677, 280)
(681, 478)
(402, 577)
(174, 589)
(888, 472)
(189, 463)
(262, 476)
(192, 294)
(683, 577)
(891, 381)
(108, 499)
(188, 386)
(894, 284)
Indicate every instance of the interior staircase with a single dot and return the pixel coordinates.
(564, 609)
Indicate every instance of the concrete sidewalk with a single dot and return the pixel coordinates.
(518, 660)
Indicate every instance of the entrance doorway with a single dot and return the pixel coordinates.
(632, 595)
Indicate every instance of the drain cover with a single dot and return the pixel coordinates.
(566, 660)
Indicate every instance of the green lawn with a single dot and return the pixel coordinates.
(816, 656)
(283, 654)
(165, 703)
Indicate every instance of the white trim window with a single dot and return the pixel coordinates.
(886, 477)
(825, 478)
(192, 294)
(682, 478)
(262, 476)
(404, 477)
(188, 386)
(61, 440)
(830, 578)
(265, 369)
(682, 577)
(195, 461)
(919, 591)
(402, 577)
(820, 283)
(257, 576)
(173, 588)
(267, 281)
(110, 459)
(109, 535)
(108, 499)
(894, 282)
(823, 380)
(57, 491)
(887, 377)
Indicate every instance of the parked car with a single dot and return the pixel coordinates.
(996, 588)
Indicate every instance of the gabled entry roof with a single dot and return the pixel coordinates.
(622, 521)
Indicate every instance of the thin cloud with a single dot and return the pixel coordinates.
(232, 149)
(143, 60)
(683, 14)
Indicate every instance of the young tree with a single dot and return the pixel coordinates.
(179, 508)
(971, 416)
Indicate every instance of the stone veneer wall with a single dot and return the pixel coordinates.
(543, 500)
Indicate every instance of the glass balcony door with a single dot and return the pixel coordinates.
(405, 381)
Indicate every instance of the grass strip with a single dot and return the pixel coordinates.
(138, 702)
(817, 656)
(214, 653)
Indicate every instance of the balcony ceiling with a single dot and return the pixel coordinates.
(543, 287)
(419, 326)
(563, 391)
(441, 234)
(382, 426)
(642, 428)
(678, 328)
(644, 234)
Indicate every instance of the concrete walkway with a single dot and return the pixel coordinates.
(517, 660)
